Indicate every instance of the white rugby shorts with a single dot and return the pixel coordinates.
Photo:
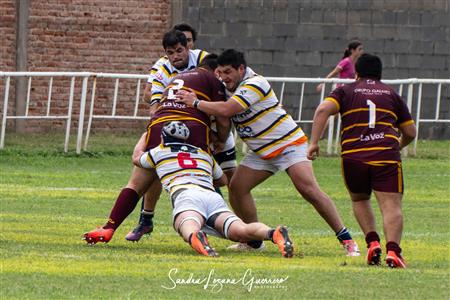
(203, 201)
(290, 156)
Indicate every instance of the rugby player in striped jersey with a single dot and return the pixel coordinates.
(275, 140)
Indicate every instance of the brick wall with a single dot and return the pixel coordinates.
(8, 34)
(307, 38)
(85, 35)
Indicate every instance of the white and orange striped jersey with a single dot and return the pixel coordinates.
(180, 165)
(166, 72)
(264, 126)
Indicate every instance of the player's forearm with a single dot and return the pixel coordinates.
(148, 93)
(139, 149)
(319, 122)
(213, 108)
(223, 128)
(222, 181)
(409, 133)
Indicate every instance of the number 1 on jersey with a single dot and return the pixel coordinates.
(372, 113)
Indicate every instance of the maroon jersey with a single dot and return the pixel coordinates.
(371, 114)
(207, 87)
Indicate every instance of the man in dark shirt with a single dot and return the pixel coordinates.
(372, 114)
(206, 86)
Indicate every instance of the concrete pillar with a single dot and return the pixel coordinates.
(177, 11)
(22, 12)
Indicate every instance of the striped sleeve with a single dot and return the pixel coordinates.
(160, 81)
(251, 93)
(217, 171)
(147, 161)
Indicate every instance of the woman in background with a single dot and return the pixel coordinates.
(346, 67)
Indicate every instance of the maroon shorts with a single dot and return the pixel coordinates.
(363, 177)
(198, 135)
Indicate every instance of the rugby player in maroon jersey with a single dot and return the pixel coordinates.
(376, 125)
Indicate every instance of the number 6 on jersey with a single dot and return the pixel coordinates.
(186, 161)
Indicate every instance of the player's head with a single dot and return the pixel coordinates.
(209, 62)
(369, 66)
(175, 46)
(231, 68)
(189, 32)
(354, 48)
(175, 132)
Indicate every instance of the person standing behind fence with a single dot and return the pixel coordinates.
(346, 66)
(371, 113)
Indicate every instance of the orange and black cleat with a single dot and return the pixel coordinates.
(395, 261)
(281, 238)
(374, 253)
(199, 242)
(98, 235)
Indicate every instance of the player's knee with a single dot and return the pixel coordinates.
(238, 234)
(310, 193)
(232, 228)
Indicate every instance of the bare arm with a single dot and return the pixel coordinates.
(332, 74)
(323, 112)
(148, 92)
(139, 149)
(221, 109)
(222, 181)
(409, 132)
(223, 128)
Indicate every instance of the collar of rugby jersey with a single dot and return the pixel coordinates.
(248, 74)
(192, 64)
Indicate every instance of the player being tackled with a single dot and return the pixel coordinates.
(187, 173)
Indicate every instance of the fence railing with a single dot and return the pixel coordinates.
(406, 88)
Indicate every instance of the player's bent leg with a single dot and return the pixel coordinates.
(124, 205)
(242, 182)
(234, 229)
(242, 202)
(145, 224)
(302, 176)
(188, 225)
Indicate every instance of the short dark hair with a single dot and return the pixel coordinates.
(369, 66)
(172, 38)
(186, 27)
(209, 61)
(231, 57)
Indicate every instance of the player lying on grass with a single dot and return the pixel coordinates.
(187, 174)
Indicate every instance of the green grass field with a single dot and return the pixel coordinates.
(49, 199)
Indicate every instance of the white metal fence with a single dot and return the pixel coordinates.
(406, 88)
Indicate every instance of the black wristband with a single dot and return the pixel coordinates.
(196, 103)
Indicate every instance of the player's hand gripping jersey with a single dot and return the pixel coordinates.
(180, 165)
(264, 126)
(207, 87)
(371, 114)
